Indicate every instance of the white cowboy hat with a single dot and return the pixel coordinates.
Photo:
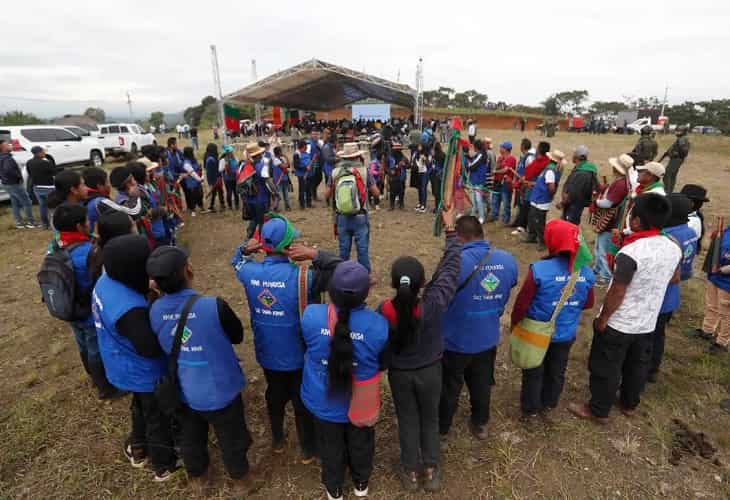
(557, 156)
(350, 150)
(621, 164)
(253, 149)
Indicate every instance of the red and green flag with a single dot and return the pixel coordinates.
(233, 118)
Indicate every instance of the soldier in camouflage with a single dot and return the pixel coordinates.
(676, 154)
(646, 149)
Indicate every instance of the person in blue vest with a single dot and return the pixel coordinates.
(258, 200)
(97, 201)
(208, 371)
(213, 176)
(280, 176)
(72, 230)
(717, 297)
(471, 326)
(303, 171)
(415, 349)
(537, 299)
(329, 158)
(277, 290)
(314, 146)
(477, 168)
(228, 167)
(192, 181)
(175, 161)
(678, 228)
(542, 192)
(397, 172)
(340, 352)
(133, 358)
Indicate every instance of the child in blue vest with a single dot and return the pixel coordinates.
(538, 298)
(192, 179)
(478, 170)
(415, 349)
(72, 226)
(133, 359)
(277, 291)
(678, 228)
(341, 351)
(97, 200)
(471, 326)
(208, 369)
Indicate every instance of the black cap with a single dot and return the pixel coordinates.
(165, 261)
(695, 192)
(119, 177)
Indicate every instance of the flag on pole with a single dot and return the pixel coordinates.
(276, 117)
(452, 187)
(233, 118)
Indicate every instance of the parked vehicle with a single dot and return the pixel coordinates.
(124, 138)
(62, 146)
(636, 126)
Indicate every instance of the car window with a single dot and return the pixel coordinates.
(136, 129)
(104, 130)
(114, 129)
(79, 131)
(5, 135)
(39, 134)
(64, 135)
(123, 129)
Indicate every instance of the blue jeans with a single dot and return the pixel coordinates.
(19, 199)
(195, 143)
(603, 242)
(41, 193)
(477, 204)
(422, 189)
(284, 190)
(357, 227)
(85, 335)
(503, 196)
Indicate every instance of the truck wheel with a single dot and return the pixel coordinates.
(95, 159)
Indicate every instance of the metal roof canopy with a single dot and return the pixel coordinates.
(320, 86)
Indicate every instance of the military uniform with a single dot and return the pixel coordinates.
(676, 154)
(644, 151)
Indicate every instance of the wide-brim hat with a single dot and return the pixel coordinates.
(654, 167)
(350, 150)
(556, 155)
(227, 148)
(253, 149)
(695, 192)
(622, 164)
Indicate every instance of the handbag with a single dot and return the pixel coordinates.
(530, 338)
(167, 391)
(365, 396)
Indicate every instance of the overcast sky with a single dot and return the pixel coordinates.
(63, 56)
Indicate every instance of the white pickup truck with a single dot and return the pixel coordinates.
(124, 138)
(636, 126)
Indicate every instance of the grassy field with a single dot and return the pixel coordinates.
(58, 441)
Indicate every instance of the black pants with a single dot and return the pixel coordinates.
(314, 181)
(194, 197)
(152, 431)
(396, 192)
(232, 198)
(436, 188)
(542, 385)
(282, 387)
(230, 428)
(305, 194)
(522, 214)
(536, 224)
(573, 212)
(618, 360)
(658, 339)
(416, 401)
(341, 446)
(477, 370)
(216, 190)
(257, 212)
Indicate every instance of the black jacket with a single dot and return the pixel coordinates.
(41, 171)
(9, 170)
(580, 186)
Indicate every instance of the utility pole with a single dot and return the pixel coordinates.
(418, 108)
(218, 92)
(664, 104)
(397, 78)
(129, 104)
(254, 78)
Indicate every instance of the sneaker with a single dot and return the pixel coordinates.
(137, 458)
(192, 213)
(308, 458)
(278, 446)
(20, 226)
(408, 479)
(481, 220)
(165, 474)
(518, 230)
(30, 225)
(716, 348)
(432, 479)
(360, 489)
(336, 495)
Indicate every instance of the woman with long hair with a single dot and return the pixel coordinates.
(193, 179)
(415, 348)
(344, 342)
(213, 176)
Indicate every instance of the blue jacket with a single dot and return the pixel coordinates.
(722, 281)
(79, 254)
(262, 194)
(550, 276)
(478, 172)
(471, 323)
(174, 165)
(687, 240)
(272, 294)
(211, 170)
(315, 152)
(540, 193)
(208, 370)
(328, 159)
(302, 159)
(278, 174)
(369, 337)
(124, 368)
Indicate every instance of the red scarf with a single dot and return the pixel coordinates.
(388, 311)
(628, 239)
(68, 238)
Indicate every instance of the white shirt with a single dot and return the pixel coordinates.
(549, 179)
(472, 129)
(656, 258)
(695, 224)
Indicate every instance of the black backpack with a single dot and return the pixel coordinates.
(58, 286)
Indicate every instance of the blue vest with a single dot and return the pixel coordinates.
(272, 294)
(304, 159)
(229, 174)
(314, 150)
(550, 276)
(471, 323)
(687, 240)
(262, 195)
(327, 167)
(190, 182)
(79, 254)
(208, 370)
(92, 212)
(540, 193)
(369, 336)
(174, 165)
(211, 170)
(722, 281)
(124, 368)
(478, 173)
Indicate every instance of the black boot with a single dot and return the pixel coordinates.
(85, 362)
(103, 387)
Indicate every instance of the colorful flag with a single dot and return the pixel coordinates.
(233, 118)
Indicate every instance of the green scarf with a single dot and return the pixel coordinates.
(587, 167)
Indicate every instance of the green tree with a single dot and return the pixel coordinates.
(601, 107)
(97, 114)
(19, 118)
(156, 118)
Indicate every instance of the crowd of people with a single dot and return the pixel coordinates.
(142, 328)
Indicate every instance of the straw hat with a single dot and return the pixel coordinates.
(253, 149)
(557, 156)
(654, 167)
(350, 150)
(621, 164)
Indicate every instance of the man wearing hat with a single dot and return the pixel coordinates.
(349, 187)
(678, 229)
(541, 197)
(502, 183)
(255, 180)
(208, 371)
(676, 153)
(649, 178)
(228, 167)
(302, 163)
(277, 290)
(620, 356)
(697, 196)
(41, 172)
(605, 215)
(579, 187)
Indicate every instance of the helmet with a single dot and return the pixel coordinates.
(646, 130)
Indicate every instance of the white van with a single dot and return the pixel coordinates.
(62, 146)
